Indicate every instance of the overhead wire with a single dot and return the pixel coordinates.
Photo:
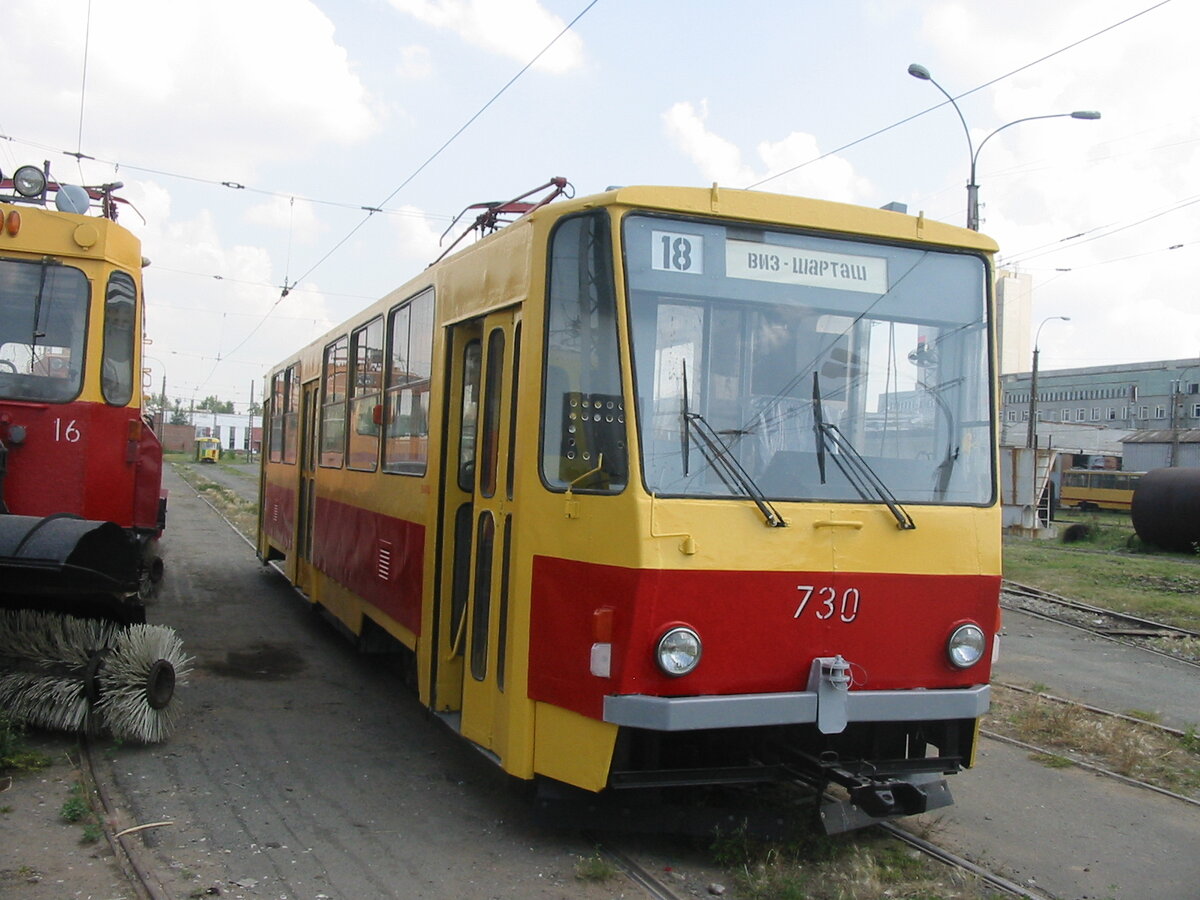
(1055, 247)
(973, 90)
(286, 289)
(118, 165)
(438, 152)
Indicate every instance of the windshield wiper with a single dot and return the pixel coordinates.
(851, 463)
(946, 467)
(731, 472)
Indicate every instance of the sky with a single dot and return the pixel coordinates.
(252, 136)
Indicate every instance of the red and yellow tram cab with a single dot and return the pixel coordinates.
(666, 487)
(80, 470)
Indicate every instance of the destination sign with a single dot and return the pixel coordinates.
(805, 268)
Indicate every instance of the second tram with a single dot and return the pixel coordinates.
(666, 487)
(81, 498)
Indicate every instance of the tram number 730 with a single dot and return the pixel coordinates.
(828, 602)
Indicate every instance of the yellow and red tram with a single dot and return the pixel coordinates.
(81, 501)
(668, 486)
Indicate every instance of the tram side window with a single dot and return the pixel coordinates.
(366, 385)
(409, 370)
(119, 322)
(333, 403)
(291, 415)
(43, 323)
(583, 411)
(278, 392)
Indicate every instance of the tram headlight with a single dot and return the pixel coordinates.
(29, 181)
(678, 651)
(966, 645)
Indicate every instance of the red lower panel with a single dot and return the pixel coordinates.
(760, 630)
(378, 557)
(279, 515)
(89, 459)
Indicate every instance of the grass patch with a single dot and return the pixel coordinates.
(241, 512)
(596, 868)
(15, 756)
(1129, 748)
(838, 867)
(1157, 586)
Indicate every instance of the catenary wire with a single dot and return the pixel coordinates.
(973, 90)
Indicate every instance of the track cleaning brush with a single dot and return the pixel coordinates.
(83, 675)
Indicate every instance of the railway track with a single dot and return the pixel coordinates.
(1156, 637)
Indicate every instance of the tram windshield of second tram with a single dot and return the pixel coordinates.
(753, 337)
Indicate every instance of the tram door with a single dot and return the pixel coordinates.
(306, 491)
(477, 523)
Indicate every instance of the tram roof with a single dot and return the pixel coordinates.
(763, 206)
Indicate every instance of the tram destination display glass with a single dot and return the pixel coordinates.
(790, 353)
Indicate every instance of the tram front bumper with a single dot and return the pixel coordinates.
(795, 708)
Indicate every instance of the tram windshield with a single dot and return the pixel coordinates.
(804, 359)
(43, 319)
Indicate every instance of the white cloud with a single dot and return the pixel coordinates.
(297, 217)
(225, 85)
(414, 63)
(1044, 182)
(518, 29)
(720, 160)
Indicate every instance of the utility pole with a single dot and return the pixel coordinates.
(250, 425)
(1174, 423)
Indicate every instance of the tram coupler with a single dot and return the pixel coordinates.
(878, 801)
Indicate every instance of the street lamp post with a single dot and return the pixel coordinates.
(919, 71)
(1031, 436)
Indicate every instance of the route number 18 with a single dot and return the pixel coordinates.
(673, 252)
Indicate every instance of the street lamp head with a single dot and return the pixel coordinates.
(918, 71)
(1085, 114)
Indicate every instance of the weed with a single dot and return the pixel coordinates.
(1190, 739)
(595, 868)
(1051, 760)
(14, 756)
(92, 833)
(1143, 715)
(77, 808)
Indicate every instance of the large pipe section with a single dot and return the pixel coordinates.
(1166, 509)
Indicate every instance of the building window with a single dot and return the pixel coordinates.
(1160, 412)
(1081, 414)
(1066, 415)
(1111, 414)
(1095, 414)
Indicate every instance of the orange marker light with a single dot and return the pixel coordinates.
(12, 224)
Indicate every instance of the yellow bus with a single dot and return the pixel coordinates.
(1091, 489)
